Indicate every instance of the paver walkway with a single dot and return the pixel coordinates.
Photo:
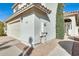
(12, 47)
(51, 48)
(9, 45)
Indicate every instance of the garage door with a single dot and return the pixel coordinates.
(14, 29)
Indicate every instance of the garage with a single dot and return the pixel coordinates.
(14, 29)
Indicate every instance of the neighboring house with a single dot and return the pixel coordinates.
(71, 20)
(33, 22)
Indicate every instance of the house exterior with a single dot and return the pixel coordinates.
(71, 20)
(32, 23)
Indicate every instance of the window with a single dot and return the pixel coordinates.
(27, 4)
(78, 30)
(16, 8)
(21, 19)
(43, 27)
(44, 24)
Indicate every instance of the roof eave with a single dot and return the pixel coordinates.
(42, 8)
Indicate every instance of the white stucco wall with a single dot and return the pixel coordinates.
(52, 17)
(27, 28)
(30, 26)
(38, 29)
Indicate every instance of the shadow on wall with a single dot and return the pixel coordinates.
(31, 41)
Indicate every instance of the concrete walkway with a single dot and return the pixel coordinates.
(10, 46)
(11, 51)
(59, 51)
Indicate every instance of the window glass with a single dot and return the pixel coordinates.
(16, 8)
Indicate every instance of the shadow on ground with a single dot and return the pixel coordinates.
(5, 47)
(4, 43)
(27, 51)
(71, 47)
(67, 45)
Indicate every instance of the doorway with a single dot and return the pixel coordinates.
(43, 33)
(68, 25)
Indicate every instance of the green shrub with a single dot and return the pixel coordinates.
(2, 29)
(60, 22)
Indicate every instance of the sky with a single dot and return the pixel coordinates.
(6, 10)
(71, 7)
